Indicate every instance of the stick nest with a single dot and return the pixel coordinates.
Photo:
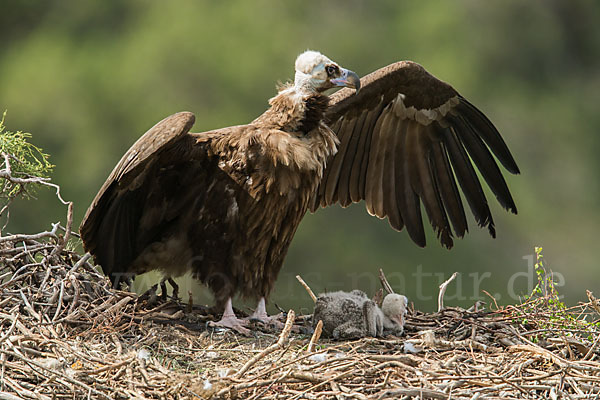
(64, 333)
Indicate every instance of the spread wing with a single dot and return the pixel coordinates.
(143, 193)
(408, 138)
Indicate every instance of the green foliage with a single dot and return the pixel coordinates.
(25, 161)
(543, 309)
(545, 287)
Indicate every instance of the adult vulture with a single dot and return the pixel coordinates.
(225, 204)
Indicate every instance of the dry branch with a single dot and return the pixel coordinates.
(285, 333)
(384, 282)
(442, 292)
(310, 292)
(315, 337)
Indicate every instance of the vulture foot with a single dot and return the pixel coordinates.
(260, 314)
(229, 320)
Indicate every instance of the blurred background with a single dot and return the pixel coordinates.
(88, 78)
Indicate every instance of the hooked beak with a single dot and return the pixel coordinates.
(347, 79)
(399, 319)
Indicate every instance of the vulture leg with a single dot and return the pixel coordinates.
(175, 287)
(260, 314)
(229, 320)
(163, 288)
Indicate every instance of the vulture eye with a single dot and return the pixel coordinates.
(331, 70)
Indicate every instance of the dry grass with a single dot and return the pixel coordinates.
(65, 334)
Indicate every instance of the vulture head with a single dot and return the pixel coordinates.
(394, 309)
(316, 73)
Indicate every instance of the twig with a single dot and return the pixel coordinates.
(493, 299)
(8, 396)
(310, 292)
(384, 282)
(60, 300)
(7, 174)
(443, 288)
(323, 382)
(593, 301)
(119, 305)
(590, 352)
(24, 392)
(315, 337)
(63, 242)
(307, 376)
(21, 237)
(413, 392)
(63, 376)
(10, 330)
(76, 287)
(110, 367)
(283, 337)
(336, 389)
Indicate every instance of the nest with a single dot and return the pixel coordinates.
(65, 333)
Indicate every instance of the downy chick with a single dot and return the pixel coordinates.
(350, 315)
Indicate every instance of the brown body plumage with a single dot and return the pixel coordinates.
(222, 204)
(225, 204)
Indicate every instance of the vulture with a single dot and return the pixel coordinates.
(224, 204)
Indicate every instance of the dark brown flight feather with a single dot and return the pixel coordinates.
(412, 137)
